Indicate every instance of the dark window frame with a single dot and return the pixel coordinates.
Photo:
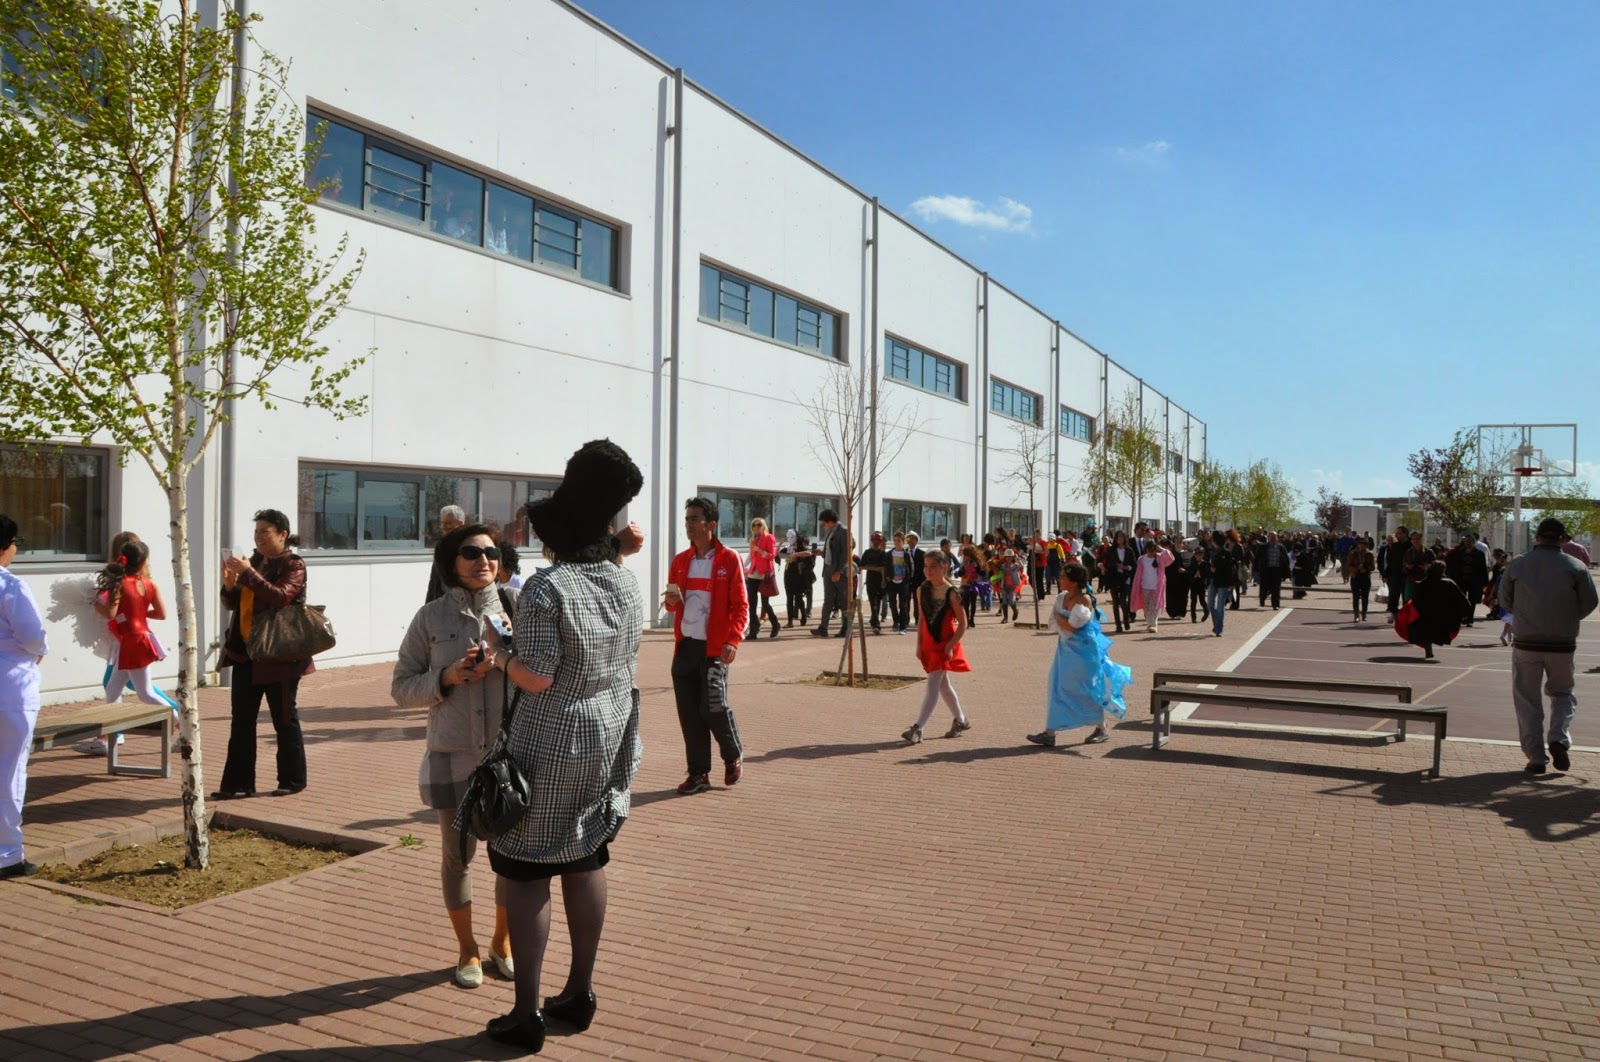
(1064, 418)
(96, 521)
(921, 363)
(1001, 393)
(819, 328)
(371, 139)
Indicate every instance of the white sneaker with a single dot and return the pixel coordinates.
(92, 747)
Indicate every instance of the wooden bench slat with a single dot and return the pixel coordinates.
(103, 720)
(1165, 675)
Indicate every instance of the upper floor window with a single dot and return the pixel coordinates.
(901, 361)
(58, 497)
(364, 172)
(741, 302)
(1075, 425)
(1177, 461)
(1011, 401)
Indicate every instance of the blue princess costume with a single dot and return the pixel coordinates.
(1085, 685)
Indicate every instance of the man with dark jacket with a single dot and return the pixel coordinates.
(1272, 565)
(835, 550)
(1466, 565)
(1393, 564)
(1547, 593)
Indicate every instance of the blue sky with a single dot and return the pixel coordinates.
(1335, 231)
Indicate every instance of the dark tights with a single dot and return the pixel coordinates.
(528, 915)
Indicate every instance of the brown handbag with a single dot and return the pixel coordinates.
(293, 632)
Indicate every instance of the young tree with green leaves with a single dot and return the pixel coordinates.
(1127, 458)
(1208, 492)
(158, 258)
(1570, 501)
(1267, 498)
(1449, 486)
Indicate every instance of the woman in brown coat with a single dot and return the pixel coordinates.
(272, 578)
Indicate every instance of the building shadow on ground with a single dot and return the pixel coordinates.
(148, 1028)
(1551, 808)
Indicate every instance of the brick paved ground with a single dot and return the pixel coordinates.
(1234, 896)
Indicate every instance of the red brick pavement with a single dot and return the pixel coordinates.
(1236, 896)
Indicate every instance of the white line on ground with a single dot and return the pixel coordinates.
(1181, 712)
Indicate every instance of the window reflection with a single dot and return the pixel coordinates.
(337, 169)
(556, 237)
(510, 228)
(327, 509)
(457, 203)
(599, 256)
(57, 498)
(389, 511)
(395, 184)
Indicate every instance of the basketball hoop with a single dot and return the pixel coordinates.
(1527, 461)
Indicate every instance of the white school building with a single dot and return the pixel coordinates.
(568, 238)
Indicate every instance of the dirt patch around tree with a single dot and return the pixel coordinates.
(154, 874)
(876, 682)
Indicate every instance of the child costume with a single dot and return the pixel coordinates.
(1085, 685)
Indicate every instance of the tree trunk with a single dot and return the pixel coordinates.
(197, 841)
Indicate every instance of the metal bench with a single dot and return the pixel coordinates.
(1173, 686)
(104, 720)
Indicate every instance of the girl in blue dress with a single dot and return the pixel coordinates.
(1085, 685)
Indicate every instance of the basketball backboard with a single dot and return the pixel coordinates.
(1549, 450)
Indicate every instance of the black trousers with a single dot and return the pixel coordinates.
(899, 595)
(834, 600)
(1041, 582)
(752, 588)
(797, 597)
(700, 686)
(1122, 604)
(1271, 586)
(1197, 600)
(1397, 586)
(1360, 587)
(875, 603)
(239, 771)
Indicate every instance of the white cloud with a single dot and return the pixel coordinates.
(1007, 215)
(1149, 152)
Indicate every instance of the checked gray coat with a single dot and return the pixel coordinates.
(577, 743)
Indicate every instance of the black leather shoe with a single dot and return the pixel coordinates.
(525, 1032)
(1559, 757)
(232, 794)
(576, 1010)
(25, 869)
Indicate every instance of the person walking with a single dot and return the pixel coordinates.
(274, 577)
(1150, 583)
(941, 622)
(1223, 568)
(1085, 685)
(763, 566)
(901, 577)
(1472, 575)
(799, 576)
(445, 667)
(574, 734)
(1272, 566)
(1120, 559)
(1393, 566)
(1359, 564)
(1436, 606)
(835, 556)
(706, 596)
(1547, 593)
(133, 600)
(23, 647)
(874, 564)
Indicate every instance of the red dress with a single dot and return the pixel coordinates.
(136, 646)
(930, 649)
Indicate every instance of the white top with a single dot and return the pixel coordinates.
(1149, 574)
(697, 603)
(22, 639)
(1079, 615)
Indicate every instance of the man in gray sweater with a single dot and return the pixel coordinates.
(1547, 593)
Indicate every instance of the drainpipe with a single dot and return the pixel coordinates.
(675, 131)
(1055, 445)
(227, 446)
(1105, 400)
(983, 437)
(872, 361)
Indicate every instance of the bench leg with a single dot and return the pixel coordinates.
(1160, 727)
(1400, 732)
(1438, 746)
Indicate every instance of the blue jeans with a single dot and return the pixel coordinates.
(1217, 598)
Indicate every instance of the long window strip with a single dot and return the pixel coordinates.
(549, 245)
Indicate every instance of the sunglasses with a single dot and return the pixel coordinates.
(472, 553)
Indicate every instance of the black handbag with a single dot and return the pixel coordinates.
(497, 794)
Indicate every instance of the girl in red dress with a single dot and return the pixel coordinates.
(132, 600)
(941, 621)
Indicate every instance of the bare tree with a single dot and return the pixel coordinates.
(854, 442)
(1031, 469)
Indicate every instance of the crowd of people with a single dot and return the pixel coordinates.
(544, 671)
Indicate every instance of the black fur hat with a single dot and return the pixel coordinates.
(600, 479)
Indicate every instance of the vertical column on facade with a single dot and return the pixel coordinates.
(1054, 429)
(981, 399)
(874, 351)
(667, 540)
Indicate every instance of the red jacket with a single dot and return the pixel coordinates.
(730, 609)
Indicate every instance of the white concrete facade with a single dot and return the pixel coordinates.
(486, 367)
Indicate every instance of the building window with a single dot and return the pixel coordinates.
(360, 171)
(931, 372)
(397, 510)
(1074, 522)
(782, 512)
(1194, 469)
(1008, 400)
(1075, 425)
(1024, 520)
(741, 302)
(58, 497)
(930, 520)
(1177, 461)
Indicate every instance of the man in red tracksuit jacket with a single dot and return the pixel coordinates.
(706, 595)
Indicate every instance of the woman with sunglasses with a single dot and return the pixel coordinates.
(446, 666)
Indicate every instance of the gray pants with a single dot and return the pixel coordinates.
(454, 875)
(1554, 670)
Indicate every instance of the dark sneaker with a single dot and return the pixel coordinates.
(1044, 737)
(912, 735)
(732, 772)
(1559, 757)
(695, 783)
(1534, 768)
(957, 726)
(22, 869)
